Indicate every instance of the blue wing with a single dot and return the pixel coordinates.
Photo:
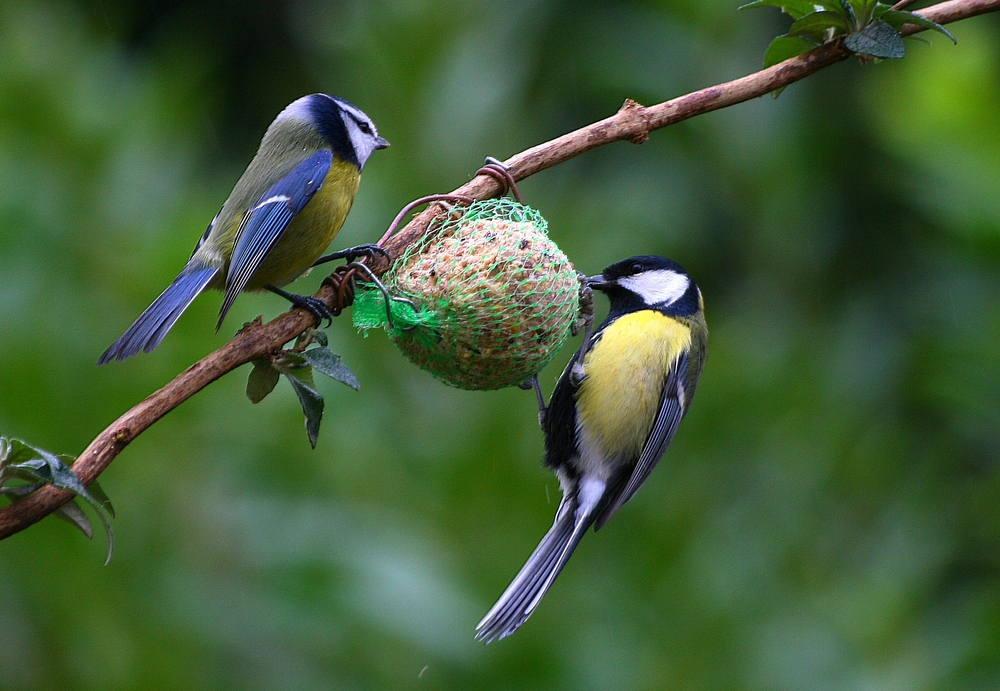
(672, 402)
(266, 221)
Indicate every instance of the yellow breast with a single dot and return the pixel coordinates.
(625, 372)
(312, 230)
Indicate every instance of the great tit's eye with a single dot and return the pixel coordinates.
(636, 268)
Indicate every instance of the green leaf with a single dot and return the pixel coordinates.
(288, 360)
(34, 464)
(795, 8)
(98, 493)
(848, 11)
(74, 515)
(785, 47)
(863, 10)
(320, 337)
(18, 492)
(880, 8)
(19, 451)
(332, 365)
(262, 380)
(896, 19)
(878, 39)
(301, 379)
(814, 26)
(95, 489)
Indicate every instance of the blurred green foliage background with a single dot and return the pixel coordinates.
(827, 517)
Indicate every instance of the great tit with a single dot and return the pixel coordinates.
(285, 210)
(612, 415)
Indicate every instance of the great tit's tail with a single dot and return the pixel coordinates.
(152, 325)
(536, 576)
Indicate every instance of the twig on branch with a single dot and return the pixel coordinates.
(632, 122)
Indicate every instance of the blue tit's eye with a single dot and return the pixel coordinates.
(636, 268)
(365, 127)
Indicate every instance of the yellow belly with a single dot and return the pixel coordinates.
(312, 230)
(625, 371)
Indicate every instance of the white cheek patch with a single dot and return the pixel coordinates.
(657, 287)
(364, 144)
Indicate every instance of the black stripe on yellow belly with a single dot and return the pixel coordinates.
(625, 371)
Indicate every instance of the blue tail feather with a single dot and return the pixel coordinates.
(153, 324)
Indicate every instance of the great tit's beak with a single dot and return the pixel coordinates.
(597, 282)
(381, 143)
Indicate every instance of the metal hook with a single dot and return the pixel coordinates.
(501, 173)
(417, 202)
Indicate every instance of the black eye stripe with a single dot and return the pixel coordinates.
(362, 124)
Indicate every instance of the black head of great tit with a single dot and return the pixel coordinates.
(284, 211)
(612, 415)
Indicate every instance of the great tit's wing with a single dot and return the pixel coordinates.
(266, 221)
(668, 417)
(560, 420)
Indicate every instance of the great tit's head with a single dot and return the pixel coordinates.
(649, 281)
(350, 133)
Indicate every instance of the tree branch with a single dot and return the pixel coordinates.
(632, 122)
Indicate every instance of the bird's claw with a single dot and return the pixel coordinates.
(313, 305)
(318, 308)
(533, 383)
(351, 254)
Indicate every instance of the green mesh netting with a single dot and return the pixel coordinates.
(495, 298)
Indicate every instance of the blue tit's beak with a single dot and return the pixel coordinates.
(381, 143)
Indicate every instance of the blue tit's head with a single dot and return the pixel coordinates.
(350, 133)
(646, 282)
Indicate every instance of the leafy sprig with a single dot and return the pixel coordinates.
(870, 28)
(297, 365)
(29, 464)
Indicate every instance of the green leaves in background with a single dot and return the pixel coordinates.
(37, 467)
(297, 365)
(795, 8)
(784, 47)
(870, 29)
(826, 518)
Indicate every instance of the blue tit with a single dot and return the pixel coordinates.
(612, 415)
(285, 210)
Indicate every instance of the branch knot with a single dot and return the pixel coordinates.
(636, 116)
